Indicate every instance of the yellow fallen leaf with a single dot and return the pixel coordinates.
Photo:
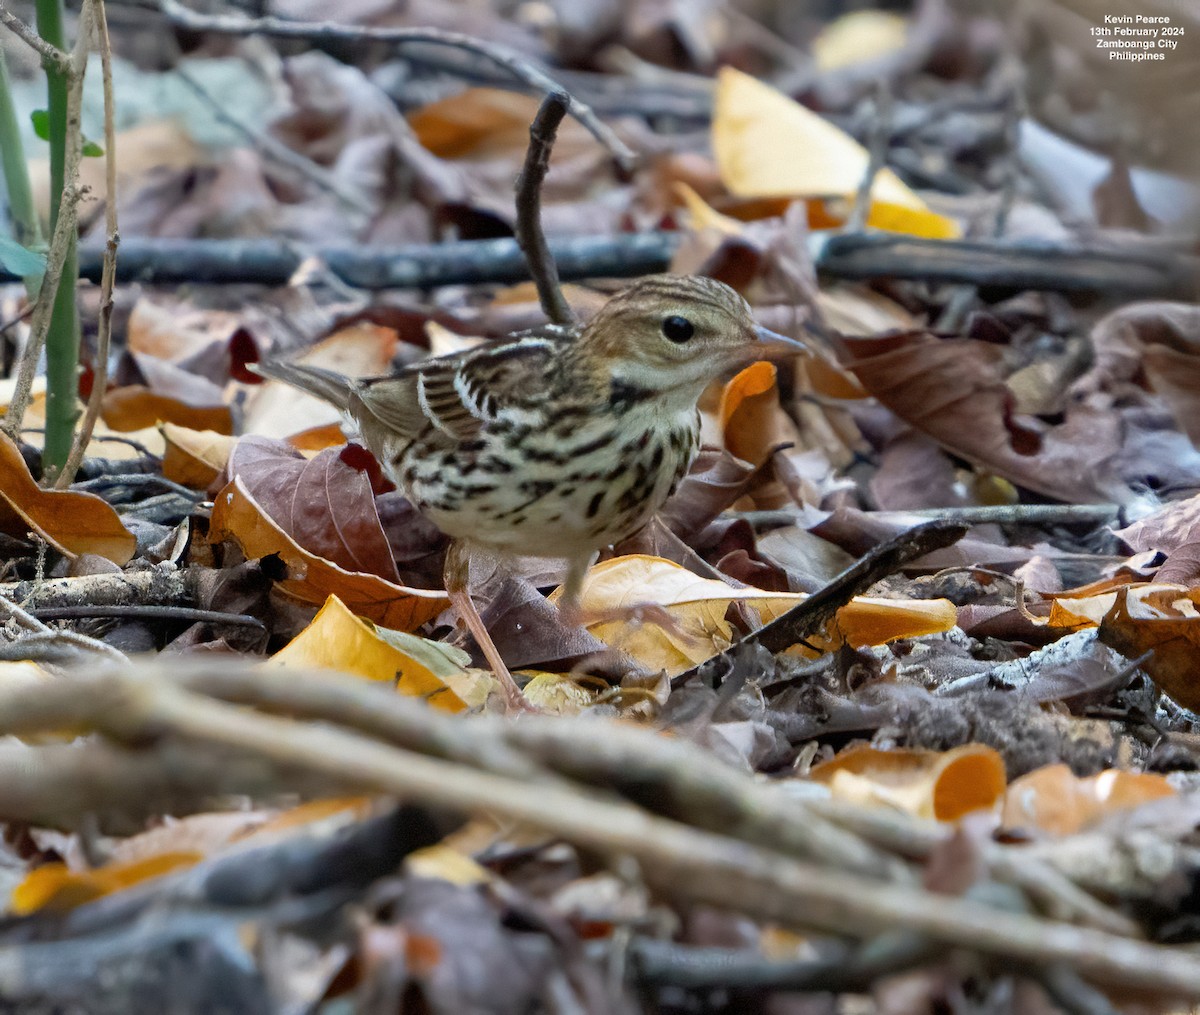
(704, 215)
(943, 785)
(558, 694)
(1053, 799)
(446, 864)
(859, 37)
(768, 145)
(338, 640)
(698, 605)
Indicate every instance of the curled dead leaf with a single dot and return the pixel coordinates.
(943, 785)
(312, 579)
(1053, 799)
(338, 640)
(72, 522)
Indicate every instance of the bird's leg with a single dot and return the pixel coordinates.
(573, 614)
(455, 576)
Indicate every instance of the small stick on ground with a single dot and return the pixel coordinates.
(529, 208)
(703, 867)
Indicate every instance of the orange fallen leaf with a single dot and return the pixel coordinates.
(943, 785)
(194, 457)
(312, 579)
(57, 888)
(72, 522)
(751, 417)
(135, 407)
(1053, 799)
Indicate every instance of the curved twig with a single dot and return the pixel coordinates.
(530, 236)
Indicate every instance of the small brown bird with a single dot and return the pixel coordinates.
(557, 442)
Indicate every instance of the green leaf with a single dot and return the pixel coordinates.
(41, 127)
(41, 123)
(20, 260)
(440, 659)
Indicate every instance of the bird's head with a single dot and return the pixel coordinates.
(668, 332)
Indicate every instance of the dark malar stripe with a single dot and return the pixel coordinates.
(623, 395)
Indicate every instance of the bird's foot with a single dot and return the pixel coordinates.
(637, 614)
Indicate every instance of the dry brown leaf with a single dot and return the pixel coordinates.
(482, 123)
(195, 457)
(236, 515)
(943, 785)
(1163, 619)
(1054, 800)
(72, 522)
(136, 407)
(951, 390)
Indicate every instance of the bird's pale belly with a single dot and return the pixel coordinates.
(563, 498)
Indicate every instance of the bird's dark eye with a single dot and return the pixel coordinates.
(678, 329)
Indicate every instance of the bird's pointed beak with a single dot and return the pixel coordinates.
(772, 345)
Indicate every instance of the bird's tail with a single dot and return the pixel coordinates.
(332, 387)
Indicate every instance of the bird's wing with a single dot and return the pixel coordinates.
(460, 393)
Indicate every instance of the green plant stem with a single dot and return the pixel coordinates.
(27, 230)
(62, 341)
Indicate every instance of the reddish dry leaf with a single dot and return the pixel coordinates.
(1182, 567)
(72, 522)
(236, 515)
(715, 481)
(1159, 340)
(951, 389)
(327, 504)
(1168, 528)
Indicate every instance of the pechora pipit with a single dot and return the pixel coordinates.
(554, 443)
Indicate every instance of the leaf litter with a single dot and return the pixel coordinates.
(990, 717)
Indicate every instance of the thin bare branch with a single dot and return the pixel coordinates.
(530, 235)
(87, 425)
(52, 55)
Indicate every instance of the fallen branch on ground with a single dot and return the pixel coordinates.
(999, 267)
